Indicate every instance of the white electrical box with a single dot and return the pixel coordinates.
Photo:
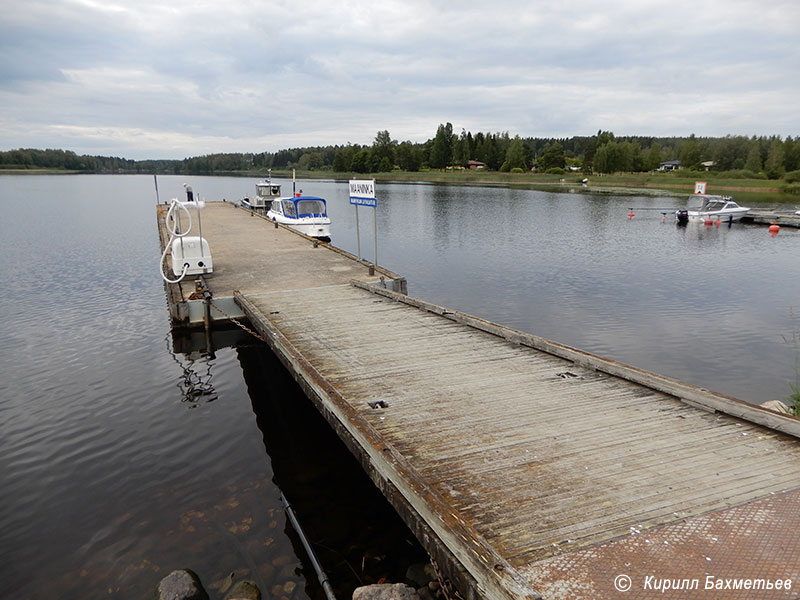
(193, 250)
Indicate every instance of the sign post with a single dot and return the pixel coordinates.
(362, 193)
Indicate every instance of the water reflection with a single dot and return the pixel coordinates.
(194, 386)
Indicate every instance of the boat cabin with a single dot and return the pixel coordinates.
(708, 203)
(267, 191)
(300, 207)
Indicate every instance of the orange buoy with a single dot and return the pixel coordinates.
(708, 222)
(717, 222)
(774, 228)
(631, 215)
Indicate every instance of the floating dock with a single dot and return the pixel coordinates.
(784, 218)
(526, 468)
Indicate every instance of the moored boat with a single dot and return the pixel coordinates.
(708, 207)
(306, 214)
(266, 192)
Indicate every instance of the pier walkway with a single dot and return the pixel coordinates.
(252, 254)
(543, 475)
(529, 469)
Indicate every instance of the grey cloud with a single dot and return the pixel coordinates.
(251, 76)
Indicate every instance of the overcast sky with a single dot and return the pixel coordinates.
(177, 78)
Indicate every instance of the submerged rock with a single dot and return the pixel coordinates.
(244, 590)
(183, 584)
(386, 591)
(420, 574)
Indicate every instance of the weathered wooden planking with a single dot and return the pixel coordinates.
(488, 574)
(530, 453)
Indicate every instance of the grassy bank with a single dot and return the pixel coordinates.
(672, 184)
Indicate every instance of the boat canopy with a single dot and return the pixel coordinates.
(715, 205)
(304, 206)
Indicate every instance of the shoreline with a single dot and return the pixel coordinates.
(667, 184)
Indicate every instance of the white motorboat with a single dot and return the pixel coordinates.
(266, 192)
(708, 207)
(306, 214)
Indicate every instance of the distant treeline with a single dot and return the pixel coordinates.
(758, 157)
(30, 158)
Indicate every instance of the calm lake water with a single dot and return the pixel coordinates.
(123, 459)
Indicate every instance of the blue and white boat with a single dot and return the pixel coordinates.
(306, 214)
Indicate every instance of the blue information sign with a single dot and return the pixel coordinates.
(363, 201)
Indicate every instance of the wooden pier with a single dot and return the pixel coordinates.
(529, 469)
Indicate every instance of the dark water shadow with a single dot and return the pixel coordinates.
(358, 537)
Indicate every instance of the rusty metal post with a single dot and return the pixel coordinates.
(200, 286)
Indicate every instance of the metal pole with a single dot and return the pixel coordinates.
(199, 225)
(155, 179)
(375, 232)
(323, 578)
(179, 230)
(358, 234)
(206, 315)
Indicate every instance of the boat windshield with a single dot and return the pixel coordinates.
(714, 205)
(310, 208)
(288, 208)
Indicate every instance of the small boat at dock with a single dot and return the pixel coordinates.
(266, 192)
(708, 207)
(306, 214)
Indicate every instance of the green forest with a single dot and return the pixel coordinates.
(602, 153)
